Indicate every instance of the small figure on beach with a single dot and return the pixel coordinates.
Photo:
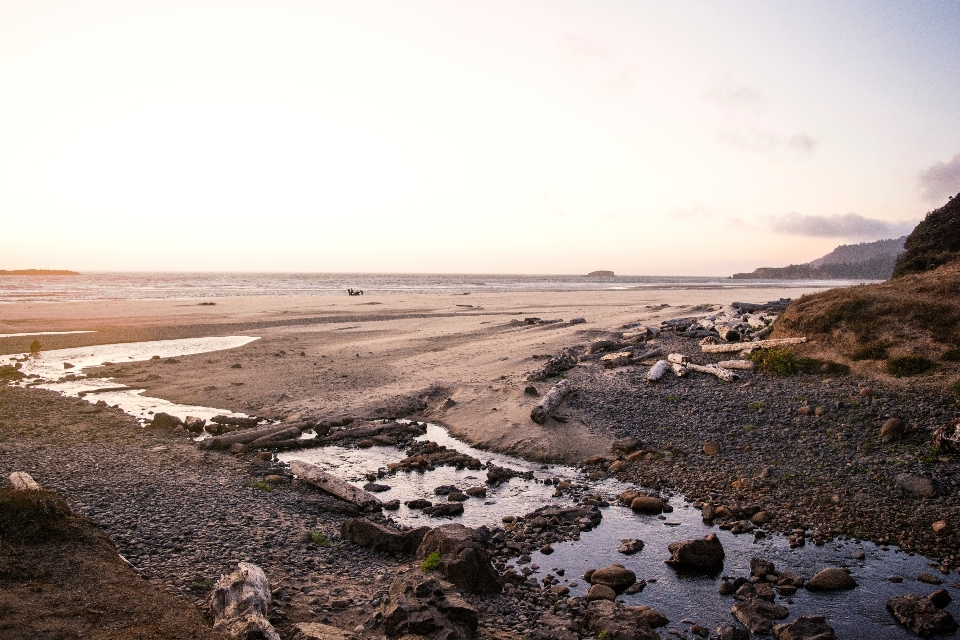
(354, 292)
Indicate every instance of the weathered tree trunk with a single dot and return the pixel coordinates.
(679, 369)
(363, 432)
(334, 485)
(286, 434)
(761, 344)
(742, 365)
(656, 371)
(714, 370)
(678, 358)
(22, 481)
(618, 359)
(550, 402)
(240, 603)
(248, 436)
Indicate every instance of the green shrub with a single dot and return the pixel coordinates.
(756, 406)
(320, 539)
(870, 351)
(781, 361)
(431, 562)
(263, 486)
(911, 365)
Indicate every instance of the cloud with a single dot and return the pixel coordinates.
(848, 225)
(729, 94)
(758, 140)
(599, 62)
(696, 211)
(940, 180)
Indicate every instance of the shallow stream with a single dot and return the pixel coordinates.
(858, 613)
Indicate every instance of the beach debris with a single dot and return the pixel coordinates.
(551, 401)
(618, 359)
(724, 374)
(335, 486)
(22, 481)
(656, 371)
(738, 365)
(554, 366)
(236, 421)
(354, 292)
(760, 344)
(947, 437)
(262, 435)
(240, 603)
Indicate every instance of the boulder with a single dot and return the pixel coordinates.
(629, 546)
(194, 424)
(427, 607)
(497, 475)
(761, 568)
(809, 627)
(915, 485)
(613, 621)
(240, 603)
(730, 632)
(373, 535)
(601, 592)
(165, 421)
(647, 504)
(625, 446)
(615, 576)
(444, 509)
(463, 558)
(697, 556)
(921, 616)
(831, 579)
(758, 615)
(892, 430)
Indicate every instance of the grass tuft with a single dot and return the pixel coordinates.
(263, 486)
(320, 539)
(911, 365)
(870, 351)
(431, 562)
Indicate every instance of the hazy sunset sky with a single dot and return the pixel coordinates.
(691, 138)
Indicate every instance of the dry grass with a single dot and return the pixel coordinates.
(905, 327)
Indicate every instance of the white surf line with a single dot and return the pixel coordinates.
(41, 333)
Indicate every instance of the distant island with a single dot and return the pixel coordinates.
(864, 261)
(38, 272)
(600, 274)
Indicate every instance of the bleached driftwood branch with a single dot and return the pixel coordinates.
(742, 346)
(741, 365)
(333, 485)
(714, 370)
(656, 371)
(22, 481)
(550, 402)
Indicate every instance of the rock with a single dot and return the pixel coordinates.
(760, 518)
(760, 568)
(831, 579)
(444, 489)
(240, 603)
(941, 528)
(625, 446)
(607, 619)
(601, 592)
(238, 447)
(531, 390)
(391, 505)
(758, 615)
(628, 496)
(373, 535)
(463, 558)
(266, 456)
(615, 576)
(892, 430)
(730, 632)
(427, 607)
(22, 481)
(319, 631)
(805, 410)
(647, 504)
(699, 556)
(373, 487)
(194, 424)
(629, 546)
(940, 598)
(809, 627)
(419, 503)
(165, 421)
(444, 509)
(921, 616)
(711, 448)
(457, 496)
(915, 485)
(477, 492)
(946, 437)
(929, 578)
(275, 479)
(496, 475)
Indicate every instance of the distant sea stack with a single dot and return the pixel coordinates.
(864, 261)
(600, 274)
(38, 272)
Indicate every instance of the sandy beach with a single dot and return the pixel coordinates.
(371, 356)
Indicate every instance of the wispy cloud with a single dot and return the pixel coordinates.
(696, 211)
(847, 225)
(764, 141)
(727, 93)
(940, 180)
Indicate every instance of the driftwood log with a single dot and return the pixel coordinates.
(714, 370)
(333, 485)
(656, 371)
(287, 434)
(240, 603)
(679, 369)
(250, 435)
(617, 359)
(647, 354)
(364, 432)
(740, 365)
(22, 481)
(677, 358)
(760, 344)
(550, 402)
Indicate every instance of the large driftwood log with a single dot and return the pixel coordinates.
(249, 435)
(741, 365)
(714, 370)
(286, 434)
(240, 603)
(333, 485)
(761, 344)
(656, 371)
(550, 402)
(364, 432)
(22, 481)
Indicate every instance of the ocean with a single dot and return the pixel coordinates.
(147, 285)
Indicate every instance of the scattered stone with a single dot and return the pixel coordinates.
(629, 546)
(698, 556)
(730, 632)
(809, 627)
(892, 430)
(601, 592)
(647, 504)
(615, 576)
(940, 598)
(711, 448)
(419, 503)
(831, 579)
(915, 485)
(929, 578)
(163, 420)
(446, 509)
(605, 618)
(758, 615)
(941, 528)
(625, 446)
(921, 616)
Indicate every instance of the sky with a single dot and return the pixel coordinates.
(647, 138)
